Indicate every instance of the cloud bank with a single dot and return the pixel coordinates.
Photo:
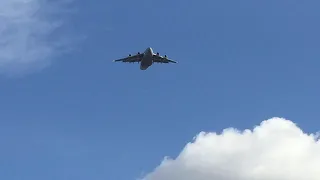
(277, 149)
(26, 29)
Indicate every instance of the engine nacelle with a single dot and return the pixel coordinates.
(165, 56)
(158, 54)
(138, 52)
(129, 54)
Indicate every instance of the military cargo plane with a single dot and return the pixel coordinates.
(146, 59)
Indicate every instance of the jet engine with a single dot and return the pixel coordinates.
(129, 54)
(138, 52)
(158, 54)
(165, 56)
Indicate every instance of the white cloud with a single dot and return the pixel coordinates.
(275, 150)
(26, 27)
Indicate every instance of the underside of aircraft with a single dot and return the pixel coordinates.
(146, 59)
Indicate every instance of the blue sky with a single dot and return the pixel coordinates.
(84, 117)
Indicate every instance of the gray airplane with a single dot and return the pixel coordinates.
(146, 59)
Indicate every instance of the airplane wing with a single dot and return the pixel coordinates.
(130, 59)
(161, 59)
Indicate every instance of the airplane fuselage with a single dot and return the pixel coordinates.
(146, 59)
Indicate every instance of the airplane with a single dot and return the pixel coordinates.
(146, 59)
